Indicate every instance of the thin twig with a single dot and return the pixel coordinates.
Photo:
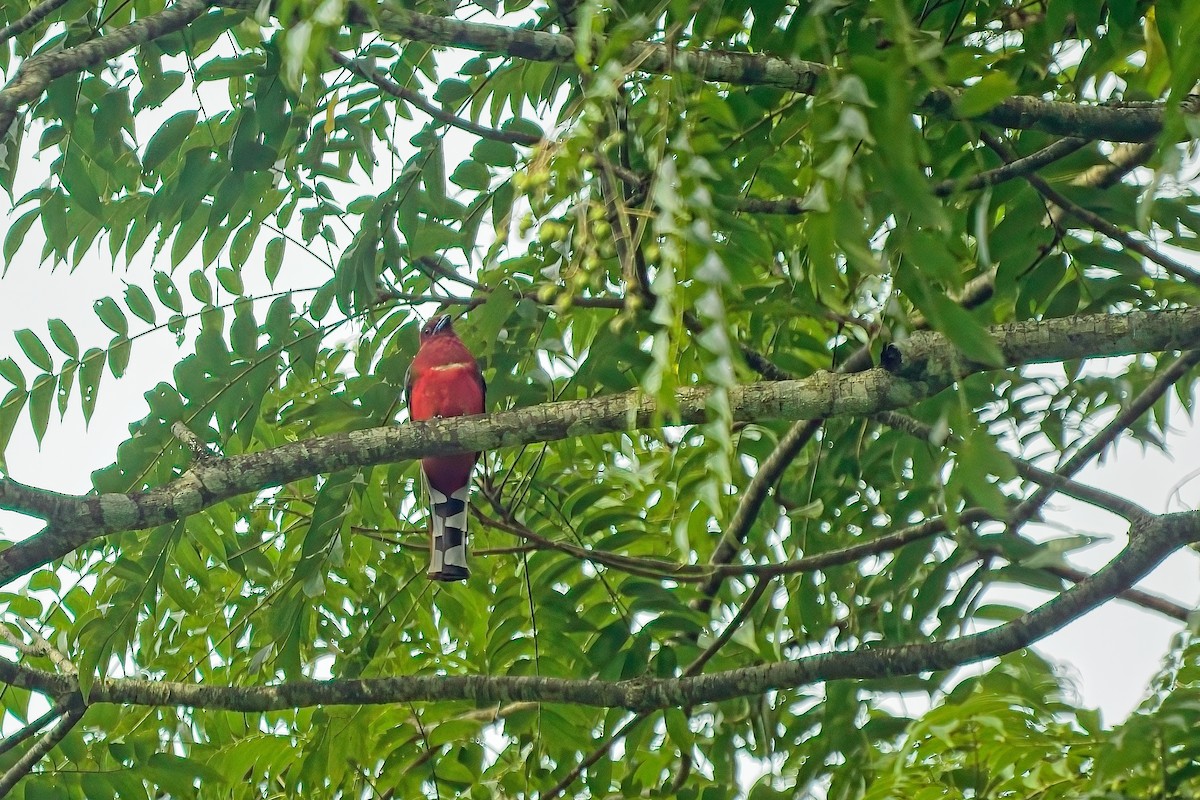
(44, 648)
(755, 494)
(1050, 481)
(752, 600)
(57, 710)
(1124, 508)
(1095, 221)
(389, 86)
(1159, 386)
(1130, 511)
(696, 573)
(39, 750)
(1016, 168)
(31, 18)
(557, 789)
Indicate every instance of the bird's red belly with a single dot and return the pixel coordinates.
(451, 391)
(447, 392)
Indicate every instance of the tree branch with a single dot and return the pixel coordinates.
(1149, 543)
(39, 750)
(1094, 447)
(16, 737)
(1119, 506)
(1015, 168)
(1097, 222)
(36, 73)
(1113, 122)
(388, 86)
(918, 368)
(30, 19)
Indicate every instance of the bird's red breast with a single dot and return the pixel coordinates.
(445, 381)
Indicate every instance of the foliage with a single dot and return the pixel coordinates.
(604, 226)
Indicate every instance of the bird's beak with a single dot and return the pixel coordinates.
(442, 324)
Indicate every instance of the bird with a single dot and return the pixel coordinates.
(444, 380)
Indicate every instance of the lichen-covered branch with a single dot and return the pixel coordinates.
(36, 73)
(31, 18)
(1131, 123)
(1150, 542)
(916, 369)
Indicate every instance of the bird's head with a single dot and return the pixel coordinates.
(436, 327)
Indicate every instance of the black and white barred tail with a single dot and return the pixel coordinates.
(448, 534)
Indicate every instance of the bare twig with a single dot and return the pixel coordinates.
(1120, 506)
(620, 733)
(748, 605)
(1109, 433)
(39, 750)
(1095, 221)
(1016, 168)
(755, 494)
(696, 573)
(57, 710)
(387, 85)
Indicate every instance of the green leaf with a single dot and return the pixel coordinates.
(452, 91)
(186, 237)
(91, 370)
(17, 232)
(965, 332)
(63, 339)
(993, 88)
(118, 355)
(225, 68)
(168, 295)
(274, 258)
(66, 381)
(243, 244)
(493, 153)
(201, 290)
(471, 175)
(12, 373)
(79, 185)
(34, 350)
(168, 139)
(111, 315)
(41, 399)
(10, 412)
(139, 303)
(156, 89)
(230, 280)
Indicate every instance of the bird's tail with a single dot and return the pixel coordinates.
(448, 534)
